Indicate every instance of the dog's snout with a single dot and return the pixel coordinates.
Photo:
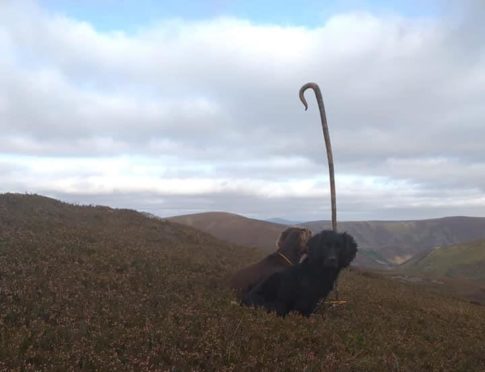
(331, 261)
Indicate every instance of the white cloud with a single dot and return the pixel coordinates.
(209, 110)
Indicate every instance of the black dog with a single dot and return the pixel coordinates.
(302, 286)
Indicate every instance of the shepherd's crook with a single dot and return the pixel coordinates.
(326, 136)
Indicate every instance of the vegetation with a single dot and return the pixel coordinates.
(92, 288)
(459, 261)
(383, 244)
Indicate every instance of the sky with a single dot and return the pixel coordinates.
(173, 107)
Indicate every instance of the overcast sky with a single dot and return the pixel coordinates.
(175, 109)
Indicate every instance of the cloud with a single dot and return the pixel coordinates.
(208, 111)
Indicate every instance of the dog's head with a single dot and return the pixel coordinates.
(331, 249)
(294, 240)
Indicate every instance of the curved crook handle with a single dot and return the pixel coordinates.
(301, 94)
(326, 136)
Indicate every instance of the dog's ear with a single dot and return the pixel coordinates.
(349, 249)
(349, 242)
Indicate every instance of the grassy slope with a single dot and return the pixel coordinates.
(458, 261)
(249, 232)
(96, 288)
(383, 243)
(235, 229)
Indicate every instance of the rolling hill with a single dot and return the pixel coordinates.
(250, 232)
(382, 244)
(94, 288)
(398, 241)
(234, 228)
(462, 261)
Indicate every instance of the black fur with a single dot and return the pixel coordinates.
(302, 286)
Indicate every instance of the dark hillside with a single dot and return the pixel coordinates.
(92, 288)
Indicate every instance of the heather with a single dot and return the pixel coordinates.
(93, 288)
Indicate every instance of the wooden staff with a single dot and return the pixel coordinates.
(328, 145)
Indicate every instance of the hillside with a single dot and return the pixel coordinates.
(93, 288)
(462, 261)
(234, 228)
(250, 232)
(382, 244)
(398, 241)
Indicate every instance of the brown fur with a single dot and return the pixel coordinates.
(292, 243)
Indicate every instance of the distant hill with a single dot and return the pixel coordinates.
(382, 244)
(234, 228)
(463, 261)
(398, 241)
(250, 232)
(95, 288)
(283, 221)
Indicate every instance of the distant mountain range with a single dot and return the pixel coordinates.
(382, 244)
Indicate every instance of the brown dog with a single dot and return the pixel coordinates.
(292, 244)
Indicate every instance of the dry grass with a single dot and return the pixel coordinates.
(84, 288)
